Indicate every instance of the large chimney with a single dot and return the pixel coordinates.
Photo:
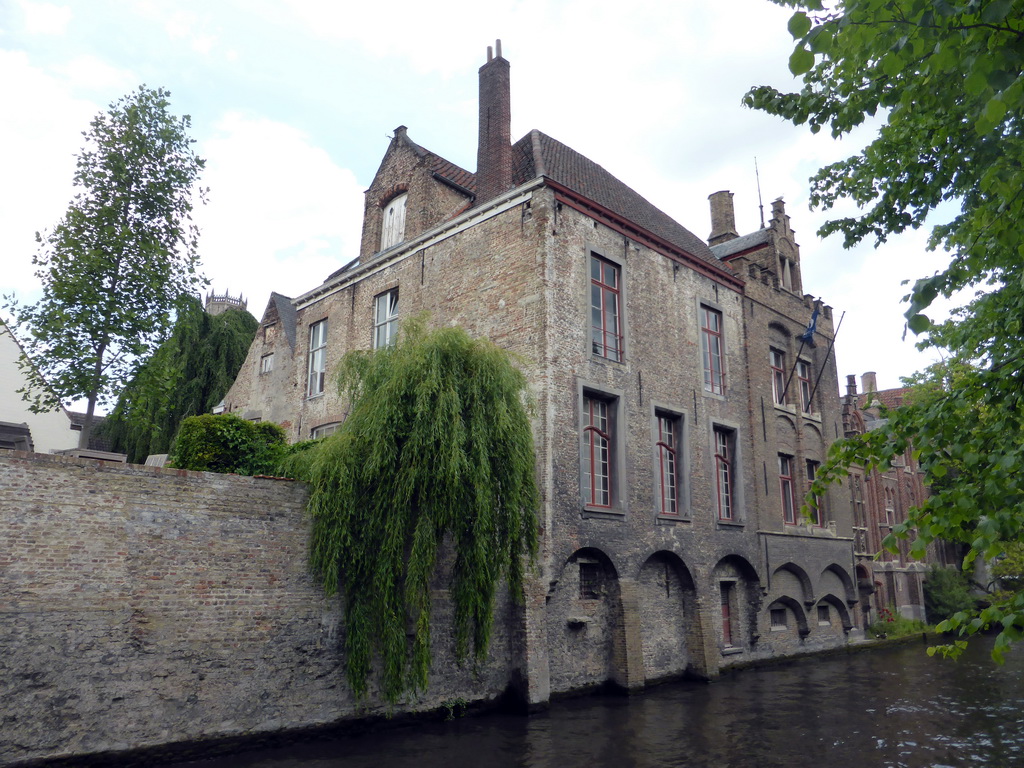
(723, 218)
(867, 382)
(494, 150)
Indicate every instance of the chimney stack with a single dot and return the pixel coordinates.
(494, 149)
(723, 218)
(851, 385)
(867, 382)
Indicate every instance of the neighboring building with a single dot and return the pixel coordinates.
(880, 501)
(20, 429)
(217, 303)
(679, 416)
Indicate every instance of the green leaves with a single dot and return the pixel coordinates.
(430, 477)
(801, 61)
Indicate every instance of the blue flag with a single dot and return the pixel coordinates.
(808, 336)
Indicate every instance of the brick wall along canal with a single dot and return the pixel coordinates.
(886, 707)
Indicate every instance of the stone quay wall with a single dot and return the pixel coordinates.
(141, 607)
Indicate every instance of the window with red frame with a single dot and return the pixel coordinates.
(778, 363)
(711, 350)
(597, 452)
(803, 373)
(605, 321)
(786, 489)
(724, 472)
(668, 467)
(727, 588)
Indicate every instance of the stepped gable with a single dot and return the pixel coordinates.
(537, 154)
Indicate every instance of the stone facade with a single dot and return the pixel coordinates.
(143, 606)
(624, 593)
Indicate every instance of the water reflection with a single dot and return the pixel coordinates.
(894, 707)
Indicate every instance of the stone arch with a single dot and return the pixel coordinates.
(830, 575)
(785, 601)
(670, 635)
(584, 622)
(791, 569)
(736, 593)
(840, 608)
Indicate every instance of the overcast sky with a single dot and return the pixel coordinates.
(293, 104)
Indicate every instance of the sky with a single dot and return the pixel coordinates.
(293, 103)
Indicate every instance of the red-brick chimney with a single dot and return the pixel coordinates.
(494, 150)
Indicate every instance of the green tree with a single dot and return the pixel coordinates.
(188, 375)
(436, 456)
(947, 77)
(115, 267)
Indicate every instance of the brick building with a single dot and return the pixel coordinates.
(880, 501)
(679, 415)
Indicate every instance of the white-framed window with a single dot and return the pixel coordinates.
(598, 448)
(711, 348)
(267, 363)
(393, 222)
(725, 472)
(777, 359)
(385, 319)
(667, 457)
(317, 358)
(605, 308)
(803, 374)
(324, 430)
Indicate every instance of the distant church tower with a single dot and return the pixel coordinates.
(216, 304)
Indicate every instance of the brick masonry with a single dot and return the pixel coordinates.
(143, 606)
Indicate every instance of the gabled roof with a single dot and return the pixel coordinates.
(738, 244)
(890, 398)
(537, 154)
(447, 170)
(282, 309)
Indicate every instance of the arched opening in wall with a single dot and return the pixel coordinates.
(787, 623)
(584, 622)
(670, 632)
(737, 592)
(865, 589)
(836, 579)
(831, 615)
(792, 580)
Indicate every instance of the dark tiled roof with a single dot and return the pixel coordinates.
(444, 168)
(285, 314)
(729, 247)
(890, 398)
(537, 154)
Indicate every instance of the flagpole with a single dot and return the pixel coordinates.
(831, 344)
(785, 389)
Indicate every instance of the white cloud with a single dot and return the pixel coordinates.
(281, 214)
(90, 72)
(45, 18)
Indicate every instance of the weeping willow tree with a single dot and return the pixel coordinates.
(436, 450)
(187, 375)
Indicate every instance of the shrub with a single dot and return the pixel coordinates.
(892, 624)
(227, 443)
(946, 591)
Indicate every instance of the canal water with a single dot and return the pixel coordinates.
(883, 707)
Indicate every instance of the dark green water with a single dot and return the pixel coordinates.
(891, 707)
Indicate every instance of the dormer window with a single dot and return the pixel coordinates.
(393, 222)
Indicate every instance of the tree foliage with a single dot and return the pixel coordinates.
(227, 443)
(188, 375)
(947, 77)
(117, 263)
(436, 453)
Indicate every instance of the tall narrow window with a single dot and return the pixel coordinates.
(711, 350)
(385, 319)
(724, 472)
(317, 357)
(803, 373)
(778, 363)
(597, 447)
(726, 600)
(786, 489)
(605, 331)
(393, 223)
(267, 363)
(668, 467)
(816, 512)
